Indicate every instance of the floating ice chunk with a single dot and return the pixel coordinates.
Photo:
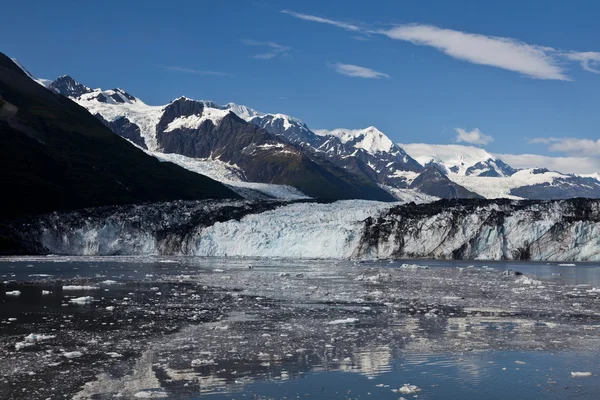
(580, 374)
(409, 389)
(72, 354)
(520, 362)
(202, 362)
(20, 345)
(525, 280)
(110, 308)
(109, 282)
(218, 270)
(36, 337)
(82, 300)
(567, 265)
(46, 292)
(343, 321)
(31, 339)
(151, 394)
(413, 267)
(113, 354)
(14, 293)
(79, 287)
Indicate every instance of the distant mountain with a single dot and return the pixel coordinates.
(459, 160)
(207, 131)
(480, 172)
(54, 155)
(333, 164)
(434, 182)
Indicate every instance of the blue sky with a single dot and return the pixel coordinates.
(516, 76)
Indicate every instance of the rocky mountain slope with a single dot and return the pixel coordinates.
(335, 164)
(54, 155)
(204, 130)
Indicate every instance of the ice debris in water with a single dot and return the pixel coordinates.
(413, 267)
(78, 287)
(525, 280)
(31, 339)
(151, 394)
(82, 300)
(14, 293)
(343, 321)
(46, 292)
(409, 389)
(580, 374)
(201, 362)
(72, 354)
(567, 265)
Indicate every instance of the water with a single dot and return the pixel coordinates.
(208, 328)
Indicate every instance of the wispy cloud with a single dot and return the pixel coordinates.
(574, 165)
(356, 71)
(194, 71)
(571, 146)
(314, 18)
(474, 137)
(274, 49)
(506, 53)
(590, 60)
(529, 60)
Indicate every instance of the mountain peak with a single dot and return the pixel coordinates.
(67, 86)
(369, 139)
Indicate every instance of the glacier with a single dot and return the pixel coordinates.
(565, 230)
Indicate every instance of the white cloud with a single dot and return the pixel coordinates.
(314, 18)
(571, 146)
(356, 71)
(575, 165)
(194, 71)
(530, 60)
(274, 49)
(588, 60)
(474, 137)
(513, 55)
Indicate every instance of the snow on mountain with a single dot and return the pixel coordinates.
(144, 116)
(370, 139)
(214, 115)
(233, 177)
(533, 183)
(500, 187)
(410, 195)
(458, 160)
(43, 82)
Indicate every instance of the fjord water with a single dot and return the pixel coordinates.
(212, 328)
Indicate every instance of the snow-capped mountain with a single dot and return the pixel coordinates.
(206, 131)
(480, 172)
(363, 158)
(459, 160)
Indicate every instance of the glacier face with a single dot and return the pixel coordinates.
(301, 230)
(466, 229)
(487, 230)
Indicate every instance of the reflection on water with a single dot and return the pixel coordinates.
(218, 329)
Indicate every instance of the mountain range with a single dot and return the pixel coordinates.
(262, 155)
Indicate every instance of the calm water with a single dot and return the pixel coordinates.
(375, 373)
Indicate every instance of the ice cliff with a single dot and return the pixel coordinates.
(459, 229)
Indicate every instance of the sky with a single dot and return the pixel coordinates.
(518, 78)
